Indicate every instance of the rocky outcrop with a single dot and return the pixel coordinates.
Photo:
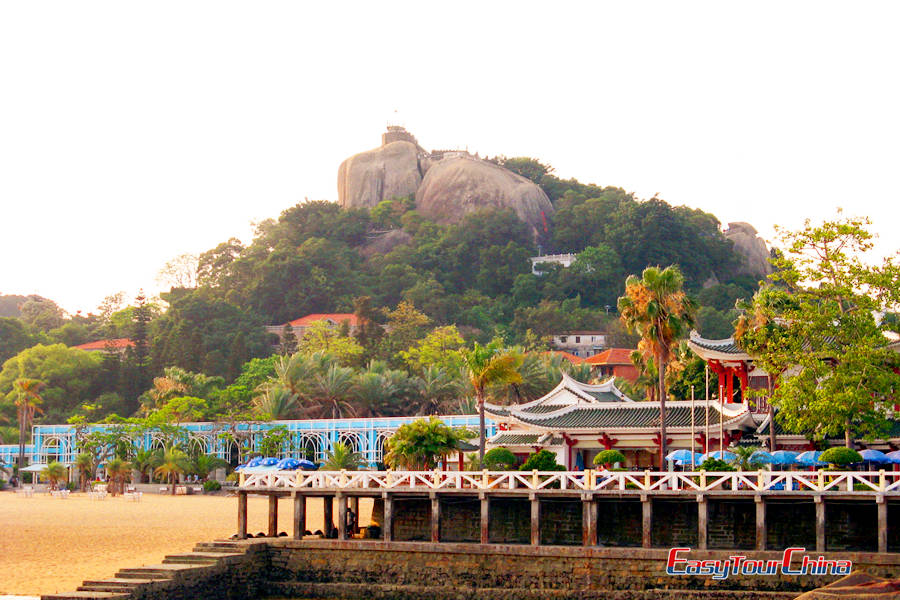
(454, 187)
(387, 172)
(751, 248)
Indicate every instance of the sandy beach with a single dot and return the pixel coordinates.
(50, 545)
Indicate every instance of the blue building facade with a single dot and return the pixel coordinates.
(311, 439)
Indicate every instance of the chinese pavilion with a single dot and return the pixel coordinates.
(576, 420)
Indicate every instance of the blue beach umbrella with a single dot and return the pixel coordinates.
(307, 465)
(287, 464)
(894, 456)
(719, 454)
(254, 462)
(683, 456)
(810, 458)
(269, 462)
(761, 457)
(874, 456)
(784, 457)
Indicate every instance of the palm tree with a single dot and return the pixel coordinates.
(84, 462)
(118, 470)
(436, 388)
(331, 389)
(742, 456)
(340, 457)
(170, 464)
(373, 391)
(422, 443)
(276, 403)
(206, 464)
(489, 365)
(27, 400)
(55, 472)
(143, 460)
(656, 307)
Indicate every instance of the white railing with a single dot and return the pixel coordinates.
(588, 480)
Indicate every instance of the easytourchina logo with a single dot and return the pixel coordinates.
(737, 564)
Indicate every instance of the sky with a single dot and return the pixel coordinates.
(133, 132)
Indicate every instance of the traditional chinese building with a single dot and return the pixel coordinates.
(576, 420)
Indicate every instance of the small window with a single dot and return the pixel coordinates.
(562, 339)
(577, 339)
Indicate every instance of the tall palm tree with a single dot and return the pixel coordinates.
(118, 470)
(170, 464)
(28, 398)
(489, 365)
(656, 307)
(374, 392)
(84, 462)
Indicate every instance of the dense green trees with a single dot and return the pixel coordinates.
(817, 332)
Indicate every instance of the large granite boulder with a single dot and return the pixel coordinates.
(387, 172)
(456, 186)
(751, 248)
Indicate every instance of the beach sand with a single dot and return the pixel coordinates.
(49, 545)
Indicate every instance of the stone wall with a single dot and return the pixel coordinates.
(561, 522)
(509, 521)
(516, 571)
(619, 522)
(731, 524)
(412, 519)
(460, 519)
(790, 524)
(851, 526)
(674, 523)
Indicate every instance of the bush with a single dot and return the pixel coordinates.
(841, 456)
(714, 464)
(543, 460)
(71, 486)
(499, 459)
(2, 484)
(211, 485)
(233, 477)
(608, 457)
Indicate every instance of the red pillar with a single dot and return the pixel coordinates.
(729, 374)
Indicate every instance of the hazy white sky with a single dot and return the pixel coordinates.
(134, 132)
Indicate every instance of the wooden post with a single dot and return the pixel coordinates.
(388, 524)
(646, 521)
(535, 521)
(485, 512)
(882, 523)
(273, 515)
(761, 527)
(820, 523)
(342, 516)
(354, 506)
(435, 518)
(242, 515)
(589, 521)
(702, 521)
(299, 515)
(329, 515)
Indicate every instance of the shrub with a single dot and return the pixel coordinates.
(499, 459)
(608, 457)
(840, 456)
(543, 460)
(71, 486)
(714, 464)
(232, 477)
(211, 485)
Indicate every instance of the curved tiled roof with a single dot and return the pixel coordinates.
(640, 415)
(568, 392)
(725, 346)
